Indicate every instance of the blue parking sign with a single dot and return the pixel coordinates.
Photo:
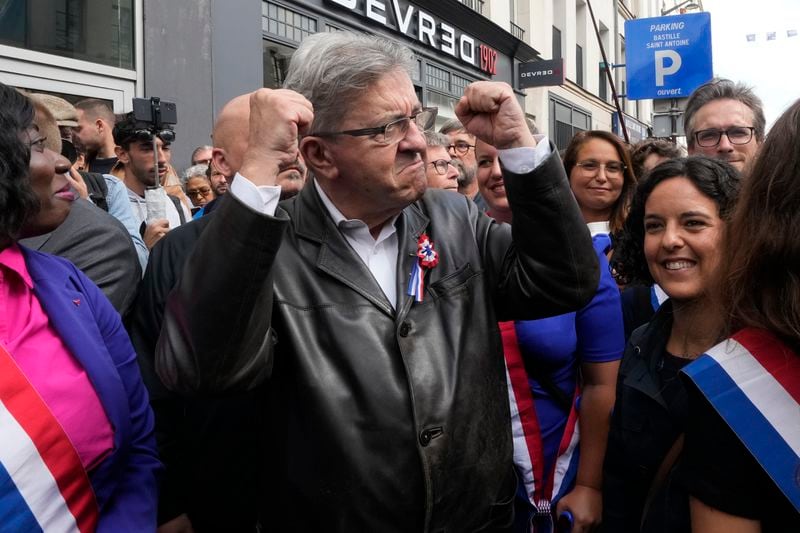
(667, 57)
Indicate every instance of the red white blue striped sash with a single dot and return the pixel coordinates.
(543, 491)
(753, 381)
(43, 485)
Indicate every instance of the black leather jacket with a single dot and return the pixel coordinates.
(382, 419)
(649, 415)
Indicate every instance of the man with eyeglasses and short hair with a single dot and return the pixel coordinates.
(136, 168)
(439, 167)
(725, 120)
(462, 146)
(366, 306)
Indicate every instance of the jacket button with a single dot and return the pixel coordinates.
(405, 329)
(425, 437)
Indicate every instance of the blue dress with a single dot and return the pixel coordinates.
(560, 344)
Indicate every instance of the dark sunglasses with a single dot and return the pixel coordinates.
(166, 136)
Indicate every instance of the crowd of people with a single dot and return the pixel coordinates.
(343, 318)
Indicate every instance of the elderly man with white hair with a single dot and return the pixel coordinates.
(367, 306)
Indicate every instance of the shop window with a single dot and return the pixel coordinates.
(437, 78)
(99, 31)
(446, 105)
(287, 24)
(459, 84)
(556, 43)
(566, 121)
(276, 63)
(602, 84)
(440, 79)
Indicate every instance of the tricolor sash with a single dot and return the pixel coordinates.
(753, 381)
(542, 489)
(43, 485)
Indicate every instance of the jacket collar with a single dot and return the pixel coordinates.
(648, 349)
(335, 257)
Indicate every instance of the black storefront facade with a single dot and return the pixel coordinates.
(453, 44)
(201, 53)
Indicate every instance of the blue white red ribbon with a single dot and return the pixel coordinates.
(753, 381)
(543, 489)
(427, 257)
(43, 485)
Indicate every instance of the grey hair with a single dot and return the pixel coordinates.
(452, 125)
(200, 149)
(436, 139)
(332, 69)
(723, 89)
(196, 171)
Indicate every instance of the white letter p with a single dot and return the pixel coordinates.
(661, 69)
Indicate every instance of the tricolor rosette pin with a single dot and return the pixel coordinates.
(427, 257)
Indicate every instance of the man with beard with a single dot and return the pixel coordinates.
(135, 154)
(94, 134)
(725, 120)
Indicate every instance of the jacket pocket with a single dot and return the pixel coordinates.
(501, 513)
(453, 281)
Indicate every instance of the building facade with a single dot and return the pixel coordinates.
(565, 29)
(201, 53)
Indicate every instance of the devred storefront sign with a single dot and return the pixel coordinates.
(411, 21)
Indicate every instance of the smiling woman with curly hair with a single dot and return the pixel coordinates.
(77, 450)
(673, 236)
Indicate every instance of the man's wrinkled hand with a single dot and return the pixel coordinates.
(277, 119)
(490, 111)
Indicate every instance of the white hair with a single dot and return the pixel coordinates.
(332, 69)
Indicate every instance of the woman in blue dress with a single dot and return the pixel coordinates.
(562, 370)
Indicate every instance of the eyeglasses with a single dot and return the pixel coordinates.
(460, 147)
(441, 165)
(202, 191)
(392, 132)
(166, 136)
(612, 167)
(712, 137)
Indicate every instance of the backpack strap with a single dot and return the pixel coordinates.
(98, 189)
(661, 475)
(179, 207)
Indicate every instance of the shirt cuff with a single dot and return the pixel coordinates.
(524, 159)
(262, 198)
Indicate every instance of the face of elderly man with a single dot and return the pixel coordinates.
(384, 178)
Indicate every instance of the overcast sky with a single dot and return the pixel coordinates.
(770, 66)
